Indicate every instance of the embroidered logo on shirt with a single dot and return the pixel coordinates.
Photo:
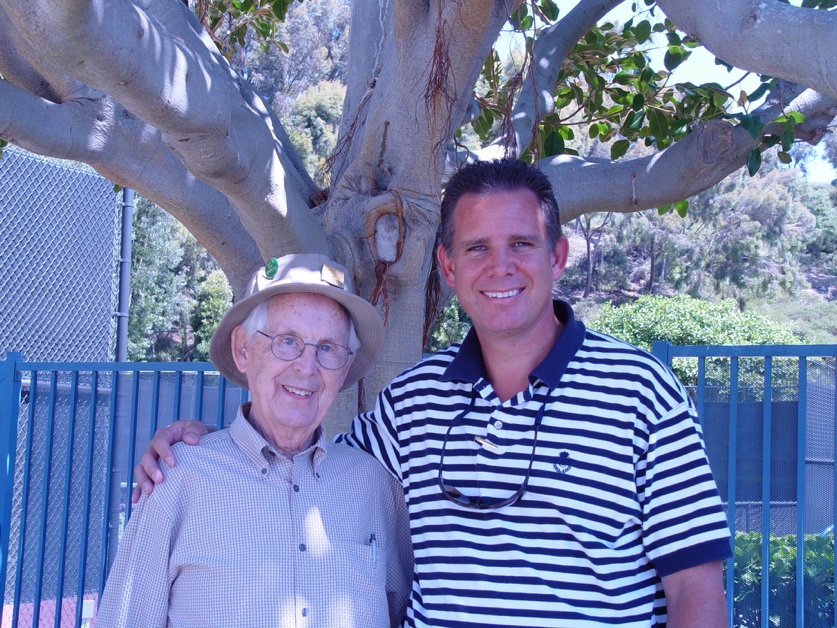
(564, 463)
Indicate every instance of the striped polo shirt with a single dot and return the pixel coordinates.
(619, 493)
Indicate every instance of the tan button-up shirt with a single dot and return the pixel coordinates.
(238, 535)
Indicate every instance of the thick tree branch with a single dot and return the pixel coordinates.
(196, 103)
(706, 156)
(767, 37)
(95, 131)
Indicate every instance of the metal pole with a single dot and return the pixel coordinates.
(124, 276)
(10, 384)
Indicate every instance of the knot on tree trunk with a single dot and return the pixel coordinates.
(384, 226)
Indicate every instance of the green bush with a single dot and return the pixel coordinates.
(818, 586)
(683, 320)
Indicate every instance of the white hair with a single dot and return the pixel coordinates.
(257, 319)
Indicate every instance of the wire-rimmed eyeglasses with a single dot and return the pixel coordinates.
(289, 347)
(485, 503)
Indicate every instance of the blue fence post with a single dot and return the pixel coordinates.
(9, 410)
(660, 350)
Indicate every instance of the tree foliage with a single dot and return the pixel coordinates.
(212, 301)
(176, 289)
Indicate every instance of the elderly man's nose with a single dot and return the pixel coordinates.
(307, 360)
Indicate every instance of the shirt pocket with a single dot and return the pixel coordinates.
(362, 575)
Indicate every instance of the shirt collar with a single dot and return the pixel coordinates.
(258, 450)
(468, 365)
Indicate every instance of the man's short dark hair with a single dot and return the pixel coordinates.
(499, 175)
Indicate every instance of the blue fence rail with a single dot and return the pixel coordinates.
(70, 434)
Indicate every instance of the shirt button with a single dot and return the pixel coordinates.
(305, 612)
(264, 471)
(296, 489)
(302, 547)
(498, 425)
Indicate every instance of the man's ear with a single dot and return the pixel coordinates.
(239, 344)
(446, 265)
(560, 254)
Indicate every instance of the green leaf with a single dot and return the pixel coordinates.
(674, 56)
(797, 117)
(117, 187)
(662, 210)
(758, 92)
(635, 121)
(553, 144)
(682, 207)
(784, 157)
(754, 161)
(639, 60)
(657, 123)
(642, 31)
(638, 102)
(483, 122)
(787, 140)
(680, 127)
(549, 9)
(723, 63)
(619, 148)
(752, 124)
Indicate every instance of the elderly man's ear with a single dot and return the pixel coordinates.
(239, 344)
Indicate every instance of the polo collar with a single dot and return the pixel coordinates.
(468, 365)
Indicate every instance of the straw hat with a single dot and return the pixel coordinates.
(301, 273)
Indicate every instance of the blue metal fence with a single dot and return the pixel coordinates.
(768, 419)
(70, 434)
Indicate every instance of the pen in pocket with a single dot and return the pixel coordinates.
(374, 543)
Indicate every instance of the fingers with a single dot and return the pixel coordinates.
(148, 473)
(142, 482)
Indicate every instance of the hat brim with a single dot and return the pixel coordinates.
(367, 323)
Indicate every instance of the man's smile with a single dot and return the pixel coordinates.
(298, 391)
(503, 295)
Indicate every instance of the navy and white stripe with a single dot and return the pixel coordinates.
(620, 492)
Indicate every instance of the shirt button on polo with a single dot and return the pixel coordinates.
(302, 547)
(296, 488)
(498, 425)
(264, 471)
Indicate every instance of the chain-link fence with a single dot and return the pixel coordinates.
(59, 223)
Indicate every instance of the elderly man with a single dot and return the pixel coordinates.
(555, 476)
(266, 524)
